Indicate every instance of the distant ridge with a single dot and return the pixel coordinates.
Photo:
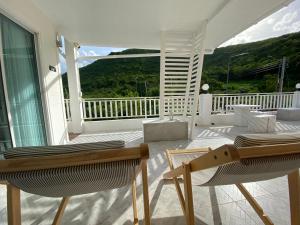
(140, 76)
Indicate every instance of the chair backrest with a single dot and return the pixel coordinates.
(265, 139)
(72, 169)
(38, 151)
(251, 169)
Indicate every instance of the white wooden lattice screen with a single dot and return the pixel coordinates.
(175, 59)
(181, 69)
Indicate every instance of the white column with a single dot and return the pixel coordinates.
(205, 109)
(74, 87)
(296, 99)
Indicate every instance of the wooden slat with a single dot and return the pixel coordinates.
(269, 150)
(174, 94)
(169, 69)
(170, 81)
(177, 64)
(169, 59)
(173, 77)
(175, 73)
(191, 150)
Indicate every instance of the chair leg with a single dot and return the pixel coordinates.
(260, 212)
(145, 192)
(60, 211)
(176, 183)
(13, 205)
(188, 194)
(134, 205)
(294, 188)
(180, 195)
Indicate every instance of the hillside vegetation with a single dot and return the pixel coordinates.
(255, 71)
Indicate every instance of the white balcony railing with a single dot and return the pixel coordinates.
(120, 108)
(267, 101)
(148, 107)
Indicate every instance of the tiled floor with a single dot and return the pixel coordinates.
(213, 205)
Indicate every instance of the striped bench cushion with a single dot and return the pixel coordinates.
(251, 170)
(38, 151)
(72, 180)
(248, 170)
(255, 169)
(75, 180)
(265, 139)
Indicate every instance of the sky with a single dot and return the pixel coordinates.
(284, 21)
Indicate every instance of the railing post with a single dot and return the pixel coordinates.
(296, 99)
(205, 109)
(145, 107)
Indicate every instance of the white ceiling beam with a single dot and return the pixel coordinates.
(218, 10)
(96, 57)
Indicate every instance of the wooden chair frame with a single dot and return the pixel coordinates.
(75, 159)
(229, 154)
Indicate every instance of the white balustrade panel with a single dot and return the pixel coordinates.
(120, 108)
(148, 107)
(266, 101)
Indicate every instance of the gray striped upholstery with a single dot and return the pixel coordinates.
(38, 151)
(252, 170)
(265, 139)
(73, 180)
(249, 170)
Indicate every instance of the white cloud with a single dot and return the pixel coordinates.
(295, 27)
(285, 22)
(270, 20)
(239, 39)
(92, 53)
(83, 63)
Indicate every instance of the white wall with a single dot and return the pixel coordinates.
(296, 99)
(26, 14)
(223, 119)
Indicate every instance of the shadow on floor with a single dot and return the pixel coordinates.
(176, 220)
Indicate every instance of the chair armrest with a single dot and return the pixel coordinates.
(191, 150)
(222, 155)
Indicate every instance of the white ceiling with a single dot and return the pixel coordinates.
(138, 23)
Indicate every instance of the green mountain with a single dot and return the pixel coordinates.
(255, 70)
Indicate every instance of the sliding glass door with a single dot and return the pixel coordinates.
(5, 137)
(22, 84)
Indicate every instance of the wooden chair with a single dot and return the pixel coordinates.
(67, 174)
(229, 164)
